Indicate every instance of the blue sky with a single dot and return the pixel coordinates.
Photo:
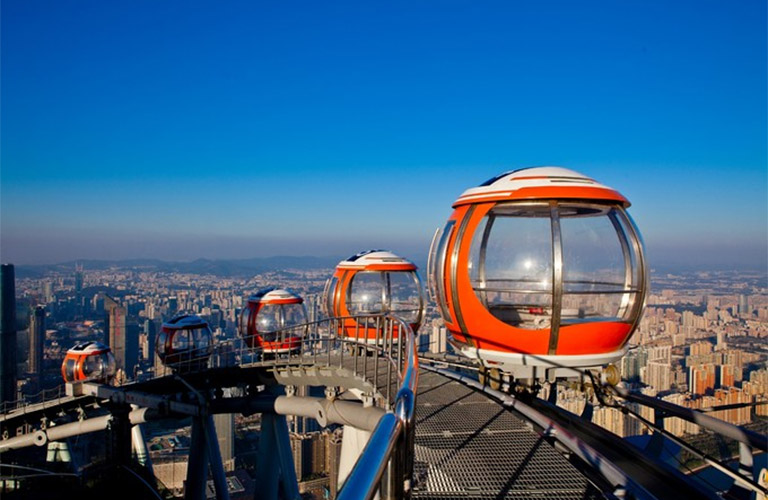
(180, 130)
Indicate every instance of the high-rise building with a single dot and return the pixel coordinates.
(701, 379)
(744, 309)
(131, 348)
(699, 348)
(78, 279)
(721, 343)
(7, 333)
(173, 305)
(150, 330)
(36, 340)
(225, 433)
(659, 376)
(438, 340)
(115, 328)
(79, 299)
(48, 291)
(632, 363)
(333, 458)
(725, 375)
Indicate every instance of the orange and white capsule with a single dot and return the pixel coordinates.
(88, 361)
(270, 320)
(539, 267)
(374, 282)
(185, 341)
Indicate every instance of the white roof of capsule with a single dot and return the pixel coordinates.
(276, 295)
(189, 321)
(540, 183)
(88, 347)
(374, 258)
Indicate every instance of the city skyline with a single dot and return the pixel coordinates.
(185, 131)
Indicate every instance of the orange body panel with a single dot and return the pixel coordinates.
(353, 331)
(287, 344)
(592, 338)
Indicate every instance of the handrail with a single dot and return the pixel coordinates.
(393, 429)
(718, 426)
(353, 342)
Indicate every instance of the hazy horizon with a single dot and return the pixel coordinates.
(182, 131)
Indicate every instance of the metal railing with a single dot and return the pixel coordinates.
(374, 348)
(44, 396)
(378, 352)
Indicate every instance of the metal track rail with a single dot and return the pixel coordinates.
(625, 468)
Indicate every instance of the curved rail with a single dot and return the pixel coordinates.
(392, 441)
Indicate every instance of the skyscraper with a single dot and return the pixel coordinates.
(36, 340)
(131, 348)
(744, 309)
(7, 333)
(79, 289)
(150, 330)
(225, 433)
(115, 328)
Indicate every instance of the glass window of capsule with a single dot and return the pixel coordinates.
(525, 255)
(271, 320)
(398, 292)
(183, 339)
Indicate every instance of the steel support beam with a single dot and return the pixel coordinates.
(63, 431)
(214, 458)
(274, 464)
(197, 466)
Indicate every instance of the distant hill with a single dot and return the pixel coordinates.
(219, 267)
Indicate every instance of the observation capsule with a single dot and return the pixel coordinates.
(539, 268)
(88, 361)
(271, 320)
(185, 342)
(374, 282)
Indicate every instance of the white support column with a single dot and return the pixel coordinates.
(353, 442)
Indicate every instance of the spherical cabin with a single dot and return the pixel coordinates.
(185, 342)
(270, 321)
(374, 282)
(539, 268)
(88, 361)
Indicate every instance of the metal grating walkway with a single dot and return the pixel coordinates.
(469, 446)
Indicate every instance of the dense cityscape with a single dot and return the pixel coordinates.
(700, 344)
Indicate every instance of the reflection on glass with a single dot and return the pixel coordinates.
(160, 343)
(600, 271)
(366, 292)
(293, 314)
(180, 340)
(510, 264)
(268, 318)
(404, 296)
